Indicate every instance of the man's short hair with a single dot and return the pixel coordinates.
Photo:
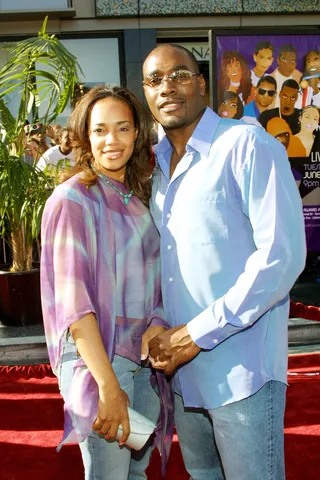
(290, 83)
(286, 48)
(179, 47)
(262, 45)
(269, 79)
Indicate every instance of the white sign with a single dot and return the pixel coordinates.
(200, 50)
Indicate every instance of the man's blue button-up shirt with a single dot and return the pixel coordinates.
(232, 245)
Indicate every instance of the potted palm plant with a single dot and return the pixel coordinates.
(40, 71)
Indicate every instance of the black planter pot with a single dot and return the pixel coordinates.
(20, 302)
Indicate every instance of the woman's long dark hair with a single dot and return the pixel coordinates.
(139, 167)
(224, 81)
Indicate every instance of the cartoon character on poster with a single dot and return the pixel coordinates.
(277, 79)
(230, 106)
(235, 76)
(310, 83)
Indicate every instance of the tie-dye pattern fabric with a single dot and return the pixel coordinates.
(101, 256)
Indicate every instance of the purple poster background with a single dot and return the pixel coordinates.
(245, 45)
(306, 170)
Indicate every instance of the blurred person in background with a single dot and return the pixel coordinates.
(53, 134)
(61, 152)
(35, 142)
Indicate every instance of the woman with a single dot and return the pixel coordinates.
(309, 121)
(100, 281)
(235, 76)
(231, 106)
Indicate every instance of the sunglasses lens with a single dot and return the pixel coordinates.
(263, 91)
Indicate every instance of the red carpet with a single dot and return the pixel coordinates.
(31, 422)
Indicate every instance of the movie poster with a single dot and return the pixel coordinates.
(273, 81)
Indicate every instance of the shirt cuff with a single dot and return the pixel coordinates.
(203, 331)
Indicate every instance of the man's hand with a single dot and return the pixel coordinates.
(150, 333)
(172, 348)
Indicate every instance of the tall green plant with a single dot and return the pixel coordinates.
(40, 70)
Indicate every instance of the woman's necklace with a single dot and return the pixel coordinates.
(126, 196)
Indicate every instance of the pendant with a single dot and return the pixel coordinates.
(126, 200)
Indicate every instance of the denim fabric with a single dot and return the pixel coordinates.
(199, 450)
(245, 440)
(250, 435)
(105, 460)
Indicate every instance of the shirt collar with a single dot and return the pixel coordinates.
(201, 139)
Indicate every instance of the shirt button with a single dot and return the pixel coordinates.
(168, 215)
(169, 247)
(215, 341)
(170, 279)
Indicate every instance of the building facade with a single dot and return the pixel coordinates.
(111, 38)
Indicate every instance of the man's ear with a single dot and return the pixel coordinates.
(202, 84)
(255, 57)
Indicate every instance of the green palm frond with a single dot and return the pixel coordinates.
(40, 72)
(40, 68)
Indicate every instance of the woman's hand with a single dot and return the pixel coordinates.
(113, 402)
(112, 412)
(148, 335)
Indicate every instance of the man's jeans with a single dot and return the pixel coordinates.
(240, 441)
(105, 460)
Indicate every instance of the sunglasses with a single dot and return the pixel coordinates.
(263, 91)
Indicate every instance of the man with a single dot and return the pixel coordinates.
(226, 204)
(288, 97)
(62, 152)
(265, 92)
(287, 62)
(279, 129)
(263, 57)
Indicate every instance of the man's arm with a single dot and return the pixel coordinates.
(271, 201)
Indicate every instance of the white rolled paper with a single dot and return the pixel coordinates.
(140, 430)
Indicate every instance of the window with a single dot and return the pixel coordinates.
(33, 4)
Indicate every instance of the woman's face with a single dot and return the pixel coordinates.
(309, 119)
(234, 70)
(228, 108)
(112, 134)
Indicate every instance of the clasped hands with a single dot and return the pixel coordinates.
(168, 348)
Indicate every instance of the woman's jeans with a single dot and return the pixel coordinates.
(106, 460)
(240, 441)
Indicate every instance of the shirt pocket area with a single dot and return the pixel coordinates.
(206, 218)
